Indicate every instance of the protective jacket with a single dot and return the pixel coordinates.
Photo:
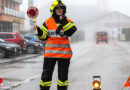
(56, 33)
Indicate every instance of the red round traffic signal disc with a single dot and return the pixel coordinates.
(32, 12)
(1, 80)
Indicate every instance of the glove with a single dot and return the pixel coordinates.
(63, 21)
(59, 29)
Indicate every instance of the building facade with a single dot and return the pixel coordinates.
(11, 18)
(116, 24)
(30, 3)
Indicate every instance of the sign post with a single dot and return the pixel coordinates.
(32, 13)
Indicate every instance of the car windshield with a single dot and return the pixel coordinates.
(28, 38)
(21, 36)
(104, 33)
(99, 33)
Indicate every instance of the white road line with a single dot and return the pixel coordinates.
(20, 83)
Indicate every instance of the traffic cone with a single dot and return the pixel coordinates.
(100, 42)
(95, 42)
(114, 43)
(1, 82)
(107, 43)
(127, 83)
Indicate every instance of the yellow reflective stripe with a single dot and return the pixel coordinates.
(68, 26)
(45, 83)
(53, 6)
(43, 36)
(44, 29)
(58, 24)
(60, 83)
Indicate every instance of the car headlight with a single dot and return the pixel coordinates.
(8, 47)
(36, 44)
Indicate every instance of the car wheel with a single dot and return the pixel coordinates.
(2, 53)
(30, 49)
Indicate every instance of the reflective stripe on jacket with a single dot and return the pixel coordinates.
(56, 46)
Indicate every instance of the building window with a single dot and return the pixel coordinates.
(6, 3)
(2, 4)
(10, 3)
(13, 5)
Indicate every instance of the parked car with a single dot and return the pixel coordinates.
(31, 38)
(15, 38)
(102, 36)
(34, 47)
(34, 38)
(8, 49)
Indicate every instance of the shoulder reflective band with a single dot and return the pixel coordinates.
(60, 83)
(58, 52)
(58, 45)
(68, 26)
(43, 36)
(45, 83)
(44, 29)
(58, 24)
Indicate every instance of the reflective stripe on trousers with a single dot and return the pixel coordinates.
(45, 83)
(60, 83)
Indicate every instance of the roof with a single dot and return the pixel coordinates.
(111, 14)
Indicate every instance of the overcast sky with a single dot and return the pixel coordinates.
(118, 5)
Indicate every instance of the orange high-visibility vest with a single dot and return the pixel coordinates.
(56, 46)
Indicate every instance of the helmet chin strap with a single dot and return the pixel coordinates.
(59, 1)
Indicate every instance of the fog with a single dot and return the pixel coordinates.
(90, 16)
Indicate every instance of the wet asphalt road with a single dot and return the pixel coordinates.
(111, 62)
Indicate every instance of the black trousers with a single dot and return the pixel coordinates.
(48, 68)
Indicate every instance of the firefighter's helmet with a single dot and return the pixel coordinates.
(56, 4)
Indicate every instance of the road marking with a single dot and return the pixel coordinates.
(20, 83)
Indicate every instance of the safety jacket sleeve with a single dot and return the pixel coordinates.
(42, 32)
(68, 27)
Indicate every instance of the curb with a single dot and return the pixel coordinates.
(20, 83)
(22, 58)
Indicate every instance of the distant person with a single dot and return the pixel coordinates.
(56, 32)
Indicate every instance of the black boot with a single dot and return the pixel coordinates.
(62, 88)
(44, 88)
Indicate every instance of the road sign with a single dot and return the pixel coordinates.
(31, 22)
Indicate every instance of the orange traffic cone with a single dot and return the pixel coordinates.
(127, 83)
(1, 82)
(114, 43)
(100, 42)
(95, 42)
(107, 43)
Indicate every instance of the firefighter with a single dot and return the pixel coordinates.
(56, 31)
